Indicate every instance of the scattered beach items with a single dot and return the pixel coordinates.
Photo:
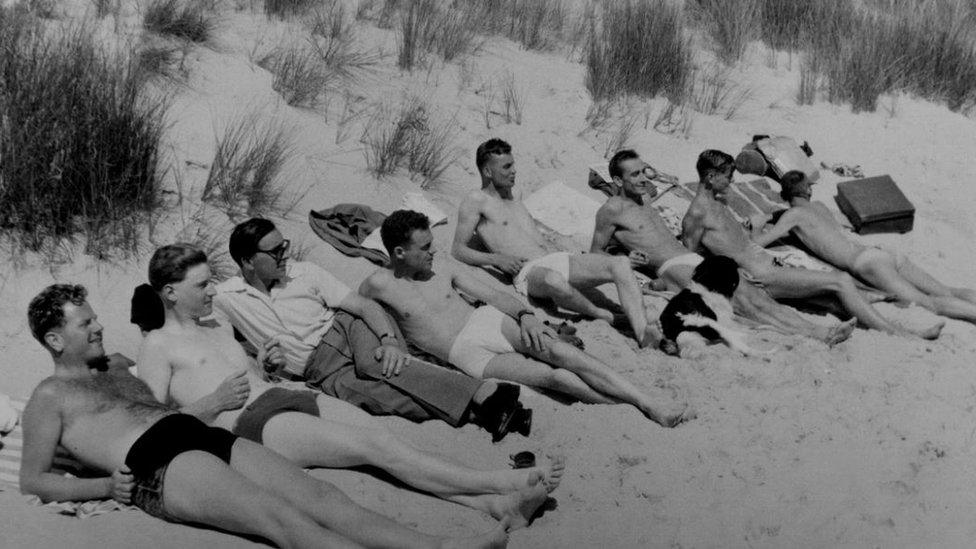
(844, 170)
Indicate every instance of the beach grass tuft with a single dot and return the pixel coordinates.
(184, 19)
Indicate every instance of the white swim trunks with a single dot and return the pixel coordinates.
(690, 259)
(557, 261)
(479, 341)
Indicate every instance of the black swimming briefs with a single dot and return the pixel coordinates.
(274, 401)
(150, 455)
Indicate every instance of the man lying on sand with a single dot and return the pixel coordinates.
(709, 224)
(169, 464)
(630, 220)
(822, 234)
(188, 359)
(328, 336)
(491, 340)
(516, 247)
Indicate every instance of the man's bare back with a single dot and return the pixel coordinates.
(102, 414)
(715, 229)
(817, 229)
(431, 313)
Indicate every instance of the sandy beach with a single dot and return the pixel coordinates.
(871, 443)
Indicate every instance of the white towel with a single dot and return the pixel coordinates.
(419, 203)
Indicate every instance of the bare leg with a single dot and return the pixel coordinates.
(755, 304)
(328, 505)
(199, 487)
(881, 270)
(312, 441)
(531, 372)
(588, 270)
(594, 373)
(800, 283)
(548, 284)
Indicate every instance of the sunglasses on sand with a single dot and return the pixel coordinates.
(278, 252)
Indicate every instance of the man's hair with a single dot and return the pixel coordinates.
(618, 158)
(719, 274)
(792, 183)
(46, 310)
(170, 263)
(399, 227)
(712, 161)
(493, 146)
(245, 237)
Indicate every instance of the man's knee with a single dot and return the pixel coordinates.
(843, 282)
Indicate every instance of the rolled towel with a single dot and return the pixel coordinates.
(8, 415)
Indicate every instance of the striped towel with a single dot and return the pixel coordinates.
(11, 448)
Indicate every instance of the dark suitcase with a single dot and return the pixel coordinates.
(875, 205)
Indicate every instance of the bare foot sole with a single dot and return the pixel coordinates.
(497, 538)
(553, 475)
(840, 332)
(515, 510)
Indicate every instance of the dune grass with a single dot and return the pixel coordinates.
(248, 159)
(731, 24)
(184, 19)
(425, 27)
(639, 49)
(300, 76)
(289, 8)
(78, 145)
(407, 136)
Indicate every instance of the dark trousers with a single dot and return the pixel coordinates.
(344, 366)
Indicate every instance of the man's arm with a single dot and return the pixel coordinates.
(534, 332)
(603, 229)
(786, 223)
(469, 213)
(693, 228)
(390, 352)
(42, 430)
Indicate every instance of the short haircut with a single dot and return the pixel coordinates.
(712, 161)
(170, 263)
(486, 150)
(719, 274)
(399, 227)
(245, 237)
(46, 310)
(618, 158)
(792, 183)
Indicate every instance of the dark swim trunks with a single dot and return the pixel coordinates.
(151, 454)
(274, 401)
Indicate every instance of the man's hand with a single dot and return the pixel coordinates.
(270, 357)
(638, 259)
(232, 393)
(535, 334)
(122, 482)
(757, 221)
(509, 263)
(394, 359)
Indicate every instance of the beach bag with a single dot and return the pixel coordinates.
(875, 205)
(783, 155)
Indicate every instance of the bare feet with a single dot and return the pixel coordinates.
(840, 332)
(497, 538)
(670, 419)
(553, 475)
(515, 510)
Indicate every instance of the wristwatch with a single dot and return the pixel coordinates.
(522, 313)
(386, 335)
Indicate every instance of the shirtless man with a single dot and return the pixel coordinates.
(188, 359)
(630, 220)
(502, 339)
(169, 464)
(820, 232)
(709, 224)
(517, 248)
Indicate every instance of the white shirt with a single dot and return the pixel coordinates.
(299, 311)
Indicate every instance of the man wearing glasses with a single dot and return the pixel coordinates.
(343, 343)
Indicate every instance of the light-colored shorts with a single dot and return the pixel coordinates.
(690, 259)
(557, 261)
(479, 341)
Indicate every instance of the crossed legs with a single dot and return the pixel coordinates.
(911, 283)
(587, 271)
(350, 438)
(263, 494)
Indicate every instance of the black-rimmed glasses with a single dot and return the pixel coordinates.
(278, 252)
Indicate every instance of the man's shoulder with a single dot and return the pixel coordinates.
(474, 198)
(49, 393)
(378, 279)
